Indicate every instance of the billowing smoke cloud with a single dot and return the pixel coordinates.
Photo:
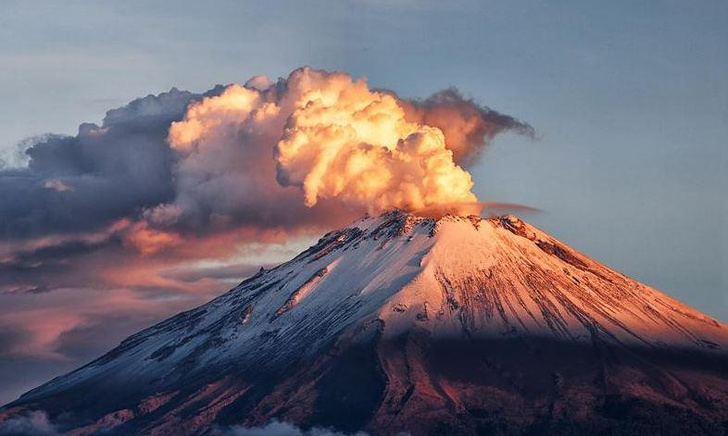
(345, 142)
(332, 137)
(313, 150)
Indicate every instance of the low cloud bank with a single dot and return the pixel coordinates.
(278, 428)
(34, 423)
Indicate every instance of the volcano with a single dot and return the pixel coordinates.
(401, 323)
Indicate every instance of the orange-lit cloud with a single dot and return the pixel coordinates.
(333, 138)
(149, 241)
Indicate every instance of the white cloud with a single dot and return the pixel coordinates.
(278, 428)
(34, 423)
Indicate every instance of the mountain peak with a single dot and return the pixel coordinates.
(398, 222)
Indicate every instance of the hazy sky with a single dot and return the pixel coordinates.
(630, 101)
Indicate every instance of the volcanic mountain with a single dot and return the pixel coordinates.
(400, 323)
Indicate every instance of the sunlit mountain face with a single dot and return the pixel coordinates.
(404, 323)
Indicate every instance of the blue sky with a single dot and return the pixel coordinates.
(630, 99)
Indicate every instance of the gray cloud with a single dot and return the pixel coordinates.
(469, 126)
(279, 428)
(108, 172)
(227, 272)
(66, 264)
(83, 182)
(34, 423)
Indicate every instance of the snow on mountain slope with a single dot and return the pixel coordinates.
(456, 278)
(503, 277)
